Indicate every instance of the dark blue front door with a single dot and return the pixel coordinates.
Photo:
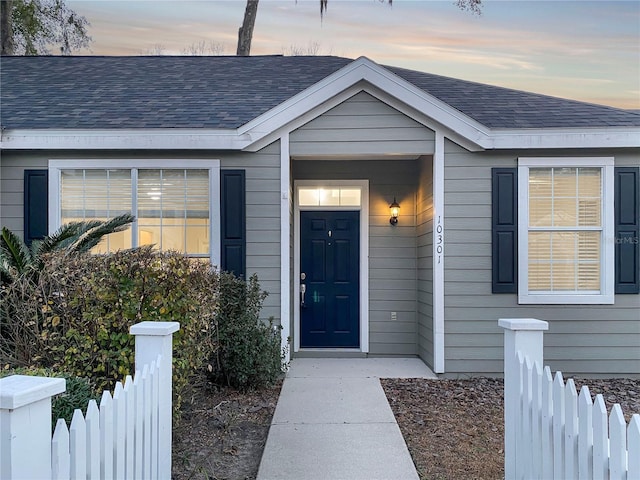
(329, 271)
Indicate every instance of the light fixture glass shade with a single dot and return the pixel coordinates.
(394, 208)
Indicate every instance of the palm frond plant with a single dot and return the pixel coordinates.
(89, 237)
(16, 259)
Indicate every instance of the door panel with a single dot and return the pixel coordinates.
(317, 271)
(330, 259)
(341, 261)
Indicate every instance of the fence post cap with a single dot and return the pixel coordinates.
(154, 328)
(19, 390)
(523, 324)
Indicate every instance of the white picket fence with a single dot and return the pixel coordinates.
(127, 437)
(551, 432)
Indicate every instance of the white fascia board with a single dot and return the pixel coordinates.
(362, 86)
(265, 138)
(130, 139)
(423, 118)
(612, 137)
(341, 85)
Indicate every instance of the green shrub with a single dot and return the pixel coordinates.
(78, 393)
(249, 353)
(75, 318)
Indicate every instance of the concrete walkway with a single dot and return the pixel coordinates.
(333, 422)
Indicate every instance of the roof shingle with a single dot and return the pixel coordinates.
(227, 92)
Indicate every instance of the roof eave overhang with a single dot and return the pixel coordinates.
(361, 74)
(129, 139)
(610, 137)
(189, 139)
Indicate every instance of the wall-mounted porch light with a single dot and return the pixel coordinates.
(394, 208)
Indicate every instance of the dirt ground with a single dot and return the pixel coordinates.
(222, 433)
(453, 428)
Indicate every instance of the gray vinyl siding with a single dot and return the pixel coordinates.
(262, 197)
(392, 249)
(12, 168)
(582, 340)
(262, 170)
(362, 125)
(424, 240)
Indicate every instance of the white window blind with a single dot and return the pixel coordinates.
(565, 229)
(97, 194)
(173, 210)
(171, 206)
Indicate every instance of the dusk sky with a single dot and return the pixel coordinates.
(584, 50)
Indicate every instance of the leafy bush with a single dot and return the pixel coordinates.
(75, 316)
(249, 354)
(78, 393)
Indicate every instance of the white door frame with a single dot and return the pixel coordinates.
(363, 185)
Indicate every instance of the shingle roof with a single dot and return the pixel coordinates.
(227, 92)
(498, 107)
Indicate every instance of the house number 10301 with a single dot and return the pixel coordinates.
(439, 239)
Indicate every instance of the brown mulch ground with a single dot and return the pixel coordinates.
(453, 428)
(222, 433)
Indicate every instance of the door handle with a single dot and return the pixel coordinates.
(303, 290)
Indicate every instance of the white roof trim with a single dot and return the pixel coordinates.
(131, 139)
(614, 137)
(360, 75)
(364, 70)
(344, 95)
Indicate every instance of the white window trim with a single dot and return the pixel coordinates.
(364, 254)
(213, 165)
(607, 251)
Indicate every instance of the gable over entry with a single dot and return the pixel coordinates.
(366, 135)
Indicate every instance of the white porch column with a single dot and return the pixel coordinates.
(285, 246)
(153, 339)
(25, 425)
(438, 254)
(524, 335)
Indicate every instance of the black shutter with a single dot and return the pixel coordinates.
(627, 211)
(36, 211)
(233, 216)
(504, 225)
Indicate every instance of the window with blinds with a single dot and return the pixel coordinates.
(88, 194)
(173, 210)
(171, 206)
(565, 229)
